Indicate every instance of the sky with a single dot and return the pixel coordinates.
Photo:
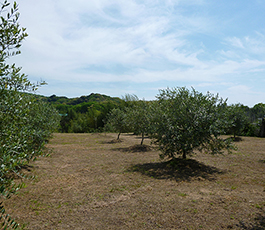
(118, 47)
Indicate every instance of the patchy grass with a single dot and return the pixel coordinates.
(92, 182)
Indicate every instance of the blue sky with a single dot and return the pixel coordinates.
(115, 47)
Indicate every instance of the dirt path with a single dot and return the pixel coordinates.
(90, 183)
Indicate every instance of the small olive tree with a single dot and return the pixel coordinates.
(117, 121)
(187, 120)
(139, 118)
(238, 119)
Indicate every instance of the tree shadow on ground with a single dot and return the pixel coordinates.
(27, 168)
(145, 137)
(21, 171)
(114, 141)
(259, 223)
(235, 139)
(178, 169)
(135, 148)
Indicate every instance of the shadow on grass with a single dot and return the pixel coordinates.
(139, 137)
(114, 141)
(259, 223)
(27, 168)
(177, 169)
(135, 148)
(22, 170)
(235, 139)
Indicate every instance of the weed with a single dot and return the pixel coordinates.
(121, 189)
(23, 226)
(182, 194)
(195, 210)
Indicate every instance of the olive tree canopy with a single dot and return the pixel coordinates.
(187, 120)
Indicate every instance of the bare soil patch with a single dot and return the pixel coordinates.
(89, 182)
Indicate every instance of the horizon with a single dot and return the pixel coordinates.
(120, 98)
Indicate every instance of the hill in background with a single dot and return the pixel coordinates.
(93, 97)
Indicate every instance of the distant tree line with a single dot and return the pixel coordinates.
(90, 114)
(84, 114)
(246, 121)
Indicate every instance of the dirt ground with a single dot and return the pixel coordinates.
(93, 182)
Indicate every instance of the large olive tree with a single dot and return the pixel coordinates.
(25, 122)
(187, 120)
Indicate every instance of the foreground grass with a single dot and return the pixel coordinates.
(91, 182)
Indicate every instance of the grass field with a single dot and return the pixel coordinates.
(92, 182)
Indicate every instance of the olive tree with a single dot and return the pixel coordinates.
(129, 100)
(139, 118)
(117, 121)
(25, 123)
(237, 118)
(187, 120)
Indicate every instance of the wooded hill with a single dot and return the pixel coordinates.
(81, 104)
(93, 97)
(85, 113)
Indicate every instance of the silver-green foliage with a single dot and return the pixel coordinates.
(238, 119)
(25, 123)
(139, 118)
(187, 120)
(117, 121)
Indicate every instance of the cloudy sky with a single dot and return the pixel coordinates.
(115, 47)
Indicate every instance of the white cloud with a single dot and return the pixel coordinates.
(236, 42)
(248, 45)
(137, 41)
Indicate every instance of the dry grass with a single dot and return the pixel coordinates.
(90, 182)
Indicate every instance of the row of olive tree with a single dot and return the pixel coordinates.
(25, 122)
(179, 122)
(133, 116)
(245, 121)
